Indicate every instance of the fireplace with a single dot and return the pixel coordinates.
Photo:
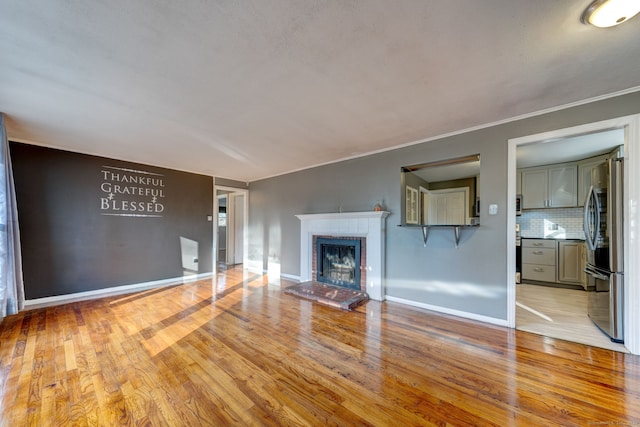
(338, 261)
(368, 227)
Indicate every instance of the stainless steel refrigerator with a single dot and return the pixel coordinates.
(603, 219)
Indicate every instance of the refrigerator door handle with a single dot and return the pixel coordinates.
(591, 237)
(615, 214)
(598, 216)
(586, 226)
(592, 272)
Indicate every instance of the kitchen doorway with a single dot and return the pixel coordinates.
(518, 315)
(552, 296)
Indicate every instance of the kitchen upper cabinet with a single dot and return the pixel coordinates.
(585, 167)
(554, 186)
(563, 186)
(518, 182)
(617, 153)
(534, 184)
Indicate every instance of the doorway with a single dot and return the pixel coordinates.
(630, 127)
(230, 236)
(556, 305)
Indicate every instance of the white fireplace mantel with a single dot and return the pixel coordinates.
(371, 225)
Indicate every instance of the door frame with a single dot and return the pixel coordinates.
(233, 231)
(631, 125)
(245, 231)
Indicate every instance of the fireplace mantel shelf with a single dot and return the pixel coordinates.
(343, 215)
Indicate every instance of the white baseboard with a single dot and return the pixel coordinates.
(108, 292)
(466, 315)
(290, 277)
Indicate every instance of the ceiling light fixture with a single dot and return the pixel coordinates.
(607, 13)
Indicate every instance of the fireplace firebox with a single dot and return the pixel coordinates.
(338, 262)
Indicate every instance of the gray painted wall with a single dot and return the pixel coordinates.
(471, 278)
(69, 245)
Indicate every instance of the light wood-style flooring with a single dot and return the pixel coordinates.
(236, 350)
(559, 313)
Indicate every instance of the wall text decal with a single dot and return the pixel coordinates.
(130, 192)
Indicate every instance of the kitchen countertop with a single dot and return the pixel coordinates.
(554, 238)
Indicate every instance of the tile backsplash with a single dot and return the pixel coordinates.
(561, 223)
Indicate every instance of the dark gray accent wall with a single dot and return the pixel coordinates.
(471, 278)
(74, 237)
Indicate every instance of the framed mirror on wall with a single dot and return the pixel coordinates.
(442, 193)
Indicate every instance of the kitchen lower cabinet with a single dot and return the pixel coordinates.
(570, 262)
(583, 263)
(539, 258)
(553, 261)
(539, 272)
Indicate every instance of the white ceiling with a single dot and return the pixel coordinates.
(546, 152)
(464, 169)
(255, 88)
(569, 149)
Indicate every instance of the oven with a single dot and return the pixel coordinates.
(519, 204)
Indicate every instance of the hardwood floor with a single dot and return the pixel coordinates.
(236, 350)
(559, 313)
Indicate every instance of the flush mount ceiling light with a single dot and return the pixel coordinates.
(607, 13)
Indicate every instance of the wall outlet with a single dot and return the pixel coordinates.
(493, 209)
